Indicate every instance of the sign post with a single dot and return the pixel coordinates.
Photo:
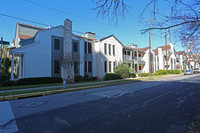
(2, 43)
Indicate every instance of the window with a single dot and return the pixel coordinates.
(105, 66)
(140, 55)
(75, 67)
(113, 49)
(105, 48)
(56, 66)
(85, 66)
(85, 47)
(109, 66)
(128, 53)
(89, 66)
(89, 47)
(75, 46)
(109, 48)
(57, 44)
(113, 65)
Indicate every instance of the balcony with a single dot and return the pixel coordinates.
(127, 58)
(139, 59)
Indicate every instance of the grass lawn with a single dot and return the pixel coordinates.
(78, 87)
(75, 85)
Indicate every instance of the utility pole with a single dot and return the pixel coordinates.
(149, 47)
(166, 53)
(189, 56)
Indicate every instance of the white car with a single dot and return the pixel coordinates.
(196, 70)
(188, 72)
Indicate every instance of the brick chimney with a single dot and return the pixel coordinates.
(67, 48)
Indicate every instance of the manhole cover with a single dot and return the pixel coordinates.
(35, 104)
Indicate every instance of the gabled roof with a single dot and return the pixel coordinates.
(21, 36)
(32, 26)
(109, 37)
(180, 52)
(163, 48)
(142, 49)
(85, 38)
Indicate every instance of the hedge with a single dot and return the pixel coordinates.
(160, 72)
(78, 78)
(111, 76)
(143, 74)
(174, 71)
(39, 80)
(4, 77)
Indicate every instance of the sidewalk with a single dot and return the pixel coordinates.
(106, 83)
(40, 91)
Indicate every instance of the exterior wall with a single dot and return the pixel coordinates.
(102, 57)
(37, 56)
(161, 59)
(146, 59)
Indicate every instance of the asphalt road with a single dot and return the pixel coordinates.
(162, 106)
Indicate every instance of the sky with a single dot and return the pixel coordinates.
(84, 19)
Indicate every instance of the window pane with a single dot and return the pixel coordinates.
(57, 44)
(75, 46)
(89, 66)
(85, 47)
(89, 47)
(85, 66)
(113, 65)
(105, 66)
(109, 66)
(109, 49)
(105, 48)
(113, 49)
(56, 66)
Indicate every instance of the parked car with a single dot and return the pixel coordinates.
(188, 72)
(196, 70)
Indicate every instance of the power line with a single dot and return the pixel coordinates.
(17, 18)
(5, 15)
(63, 12)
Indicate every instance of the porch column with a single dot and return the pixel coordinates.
(137, 63)
(12, 67)
(131, 59)
(173, 64)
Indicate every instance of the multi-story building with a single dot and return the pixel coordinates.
(161, 53)
(180, 64)
(57, 52)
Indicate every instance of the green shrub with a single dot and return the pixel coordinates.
(39, 80)
(8, 83)
(174, 71)
(78, 78)
(85, 77)
(111, 76)
(4, 77)
(160, 72)
(143, 74)
(183, 71)
(92, 78)
(177, 71)
(132, 75)
(123, 70)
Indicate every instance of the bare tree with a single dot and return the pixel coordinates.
(177, 16)
(68, 63)
(112, 9)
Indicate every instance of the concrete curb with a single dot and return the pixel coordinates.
(36, 94)
(49, 92)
